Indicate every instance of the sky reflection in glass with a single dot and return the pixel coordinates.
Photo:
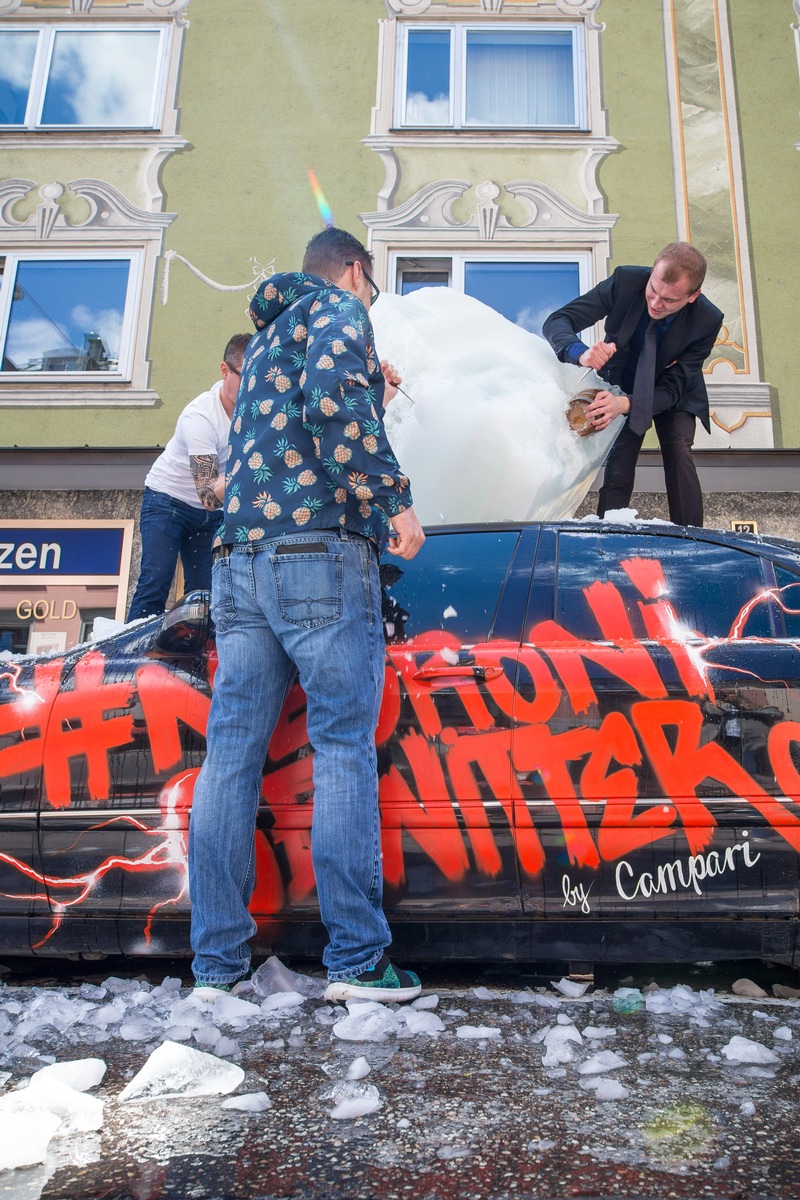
(428, 77)
(524, 292)
(17, 54)
(67, 316)
(102, 79)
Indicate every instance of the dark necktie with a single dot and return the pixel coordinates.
(641, 413)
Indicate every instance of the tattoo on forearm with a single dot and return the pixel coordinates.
(205, 471)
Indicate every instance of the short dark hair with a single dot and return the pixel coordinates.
(234, 351)
(329, 253)
(681, 258)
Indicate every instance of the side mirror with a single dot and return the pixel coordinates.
(186, 627)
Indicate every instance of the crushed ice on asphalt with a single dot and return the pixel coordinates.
(222, 1050)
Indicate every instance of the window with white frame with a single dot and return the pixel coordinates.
(491, 76)
(68, 313)
(89, 78)
(524, 287)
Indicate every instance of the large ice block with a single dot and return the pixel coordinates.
(486, 437)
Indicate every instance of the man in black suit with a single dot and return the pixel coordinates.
(659, 331)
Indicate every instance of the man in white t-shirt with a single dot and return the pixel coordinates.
(182, 509)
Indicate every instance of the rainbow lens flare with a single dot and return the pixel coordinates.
(322, 204)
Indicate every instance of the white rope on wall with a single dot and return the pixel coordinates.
(259, 273)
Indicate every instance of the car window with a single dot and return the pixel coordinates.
(453, 584)
(789, 600)
(711, 586)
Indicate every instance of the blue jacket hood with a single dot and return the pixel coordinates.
(276, 294)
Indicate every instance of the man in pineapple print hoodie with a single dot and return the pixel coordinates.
(313, 494)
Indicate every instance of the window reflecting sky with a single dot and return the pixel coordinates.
(102, 79)
(17, 52)
(428, 77)
(56, 308)
(524, 292)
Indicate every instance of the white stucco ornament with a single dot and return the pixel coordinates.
(406, 8)
(581, 8)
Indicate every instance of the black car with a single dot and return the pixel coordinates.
(589, 750)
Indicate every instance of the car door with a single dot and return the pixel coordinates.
(639, 784)
(453, 622)
(123, 748)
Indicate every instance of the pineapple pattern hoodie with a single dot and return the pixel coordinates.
(308, 449)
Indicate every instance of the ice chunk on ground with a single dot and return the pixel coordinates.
(489, 393)
(452, 1152)
(76, 1112)
(743, 1050)
(570, 987)
(747, 1108)
(279, 1001)
(783, 1033)
(80, 1074)
(431, 1001)
(477, 1031)
(227, 1048)
(223, 1007)
(249, 1102)
(177, 1070)
(53, 1009)
(367, 1022)
(24, 1138)
(275, 976)
(561, 1034)
(596, 1032)
(358, 1068)
(140, 1030)
(606, 1060)
(358, 1106)
(611, 1089)
(107, 1014)
(352, 1099)
(207, 1035)
(422, 1022)
(483, 993)
(682, 1000)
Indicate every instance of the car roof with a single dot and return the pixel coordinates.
(753, 542)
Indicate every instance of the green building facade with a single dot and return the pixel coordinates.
(154, 161)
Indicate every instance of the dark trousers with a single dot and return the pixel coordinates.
(675, 431)
(169, 528)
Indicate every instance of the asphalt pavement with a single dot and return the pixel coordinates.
(513, 1108)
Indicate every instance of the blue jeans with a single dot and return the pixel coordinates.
(169, 528)
(315, 614)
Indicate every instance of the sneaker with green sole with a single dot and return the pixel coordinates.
(383, 982)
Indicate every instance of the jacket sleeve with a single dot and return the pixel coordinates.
(343, 393)
(684, 375)
(563, 326)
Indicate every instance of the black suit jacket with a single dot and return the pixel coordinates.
(687, 343)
